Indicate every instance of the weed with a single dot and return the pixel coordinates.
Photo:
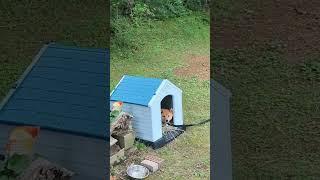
(139, 145)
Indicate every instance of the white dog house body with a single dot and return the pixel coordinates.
(144, 98)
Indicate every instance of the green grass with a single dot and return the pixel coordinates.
(275, 105)
(226, 9)
(275, 110)
(25, 26)
(156, 49)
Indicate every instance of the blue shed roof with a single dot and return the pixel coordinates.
(64, 89)
(136, 90)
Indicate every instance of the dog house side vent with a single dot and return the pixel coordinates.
(143, 98)
(221, 156)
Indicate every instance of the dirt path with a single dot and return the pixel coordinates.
(198, 66)
(293, 25)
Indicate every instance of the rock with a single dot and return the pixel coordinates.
(126, 140)
(152, 166)
(155, 159)
(117, 157)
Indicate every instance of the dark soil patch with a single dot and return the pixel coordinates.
(198, 66)
(133, 156)
(292, 25)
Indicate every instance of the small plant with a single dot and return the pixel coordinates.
(113, 116)
(115, 111)
(141, 10)
(13, 166)
(139, 145)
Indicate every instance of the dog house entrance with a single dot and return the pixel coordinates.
(169, 132)
(167, 103)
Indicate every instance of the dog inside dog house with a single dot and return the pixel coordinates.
(144, 98)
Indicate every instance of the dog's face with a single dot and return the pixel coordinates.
(166, 115)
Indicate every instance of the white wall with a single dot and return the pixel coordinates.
(141, 122)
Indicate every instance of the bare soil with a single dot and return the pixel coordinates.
(198, 66)
(293, 24)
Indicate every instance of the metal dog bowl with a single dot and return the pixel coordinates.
(137, 172)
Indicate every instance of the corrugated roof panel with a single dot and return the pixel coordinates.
(49, 62)
(75, 77)
(64, 52)
(136, 90)
(64, 91)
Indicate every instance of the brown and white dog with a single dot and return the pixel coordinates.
(167, 116)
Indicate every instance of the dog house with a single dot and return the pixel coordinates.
(64, 92)
(144, 98)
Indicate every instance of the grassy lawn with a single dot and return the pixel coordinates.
(156, 49)
(275, 113)
(25, 26)
(275, 105)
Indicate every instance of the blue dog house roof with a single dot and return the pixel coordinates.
(64, 89)
(136, 90)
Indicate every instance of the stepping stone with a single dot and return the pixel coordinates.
(155, 159)
(152, 166)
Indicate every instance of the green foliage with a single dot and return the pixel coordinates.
(14, 166)
(196, 5)
(168, 8)
(141, 10)
(113, 115)
(160, 9)
(139, 145)
(18, 163)
(225, 9)
(129, 14)
(154, 9)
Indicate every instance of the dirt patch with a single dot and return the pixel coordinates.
(293, 24)
(133, 156)
(198, 66)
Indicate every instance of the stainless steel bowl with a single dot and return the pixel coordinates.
(137, 172)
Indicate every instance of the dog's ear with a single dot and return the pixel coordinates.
(171, 110)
